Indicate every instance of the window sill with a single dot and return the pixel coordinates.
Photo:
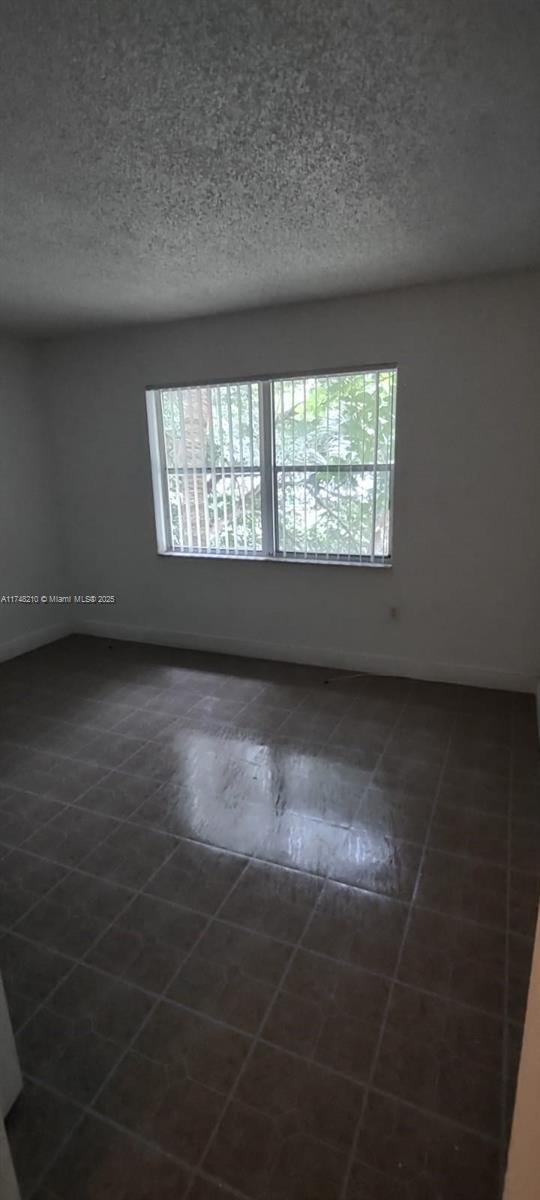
(283, 560)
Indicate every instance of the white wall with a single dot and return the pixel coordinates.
(30, 544)
(466, 574)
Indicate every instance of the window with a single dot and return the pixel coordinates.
(294, 468)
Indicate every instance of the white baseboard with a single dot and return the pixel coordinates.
(332, 657)
(32, 640)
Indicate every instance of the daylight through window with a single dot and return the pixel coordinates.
(292, 468)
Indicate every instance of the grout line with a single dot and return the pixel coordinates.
(161, 783)
(79, 868)
(386, 1010)
(86, 1110)
(256, 1038)
(75, 961)
(69, 872)
(140, 1139)
(132, 1040)
(258, 1034)
(490, 1139)
(350, 827)
(292, 946)
(160, 998)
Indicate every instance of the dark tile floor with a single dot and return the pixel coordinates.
(262, 935)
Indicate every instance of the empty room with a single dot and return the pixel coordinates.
(269, 600)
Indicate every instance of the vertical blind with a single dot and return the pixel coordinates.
(212, 460)
(334, 457)
(295, 468)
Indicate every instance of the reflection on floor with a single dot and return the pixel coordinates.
(262, 935)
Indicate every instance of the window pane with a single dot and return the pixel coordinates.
(333, 419)
(212, 460)
(325, 512)
(328, 466)
(334, 437)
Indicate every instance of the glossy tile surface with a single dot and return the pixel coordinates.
(263, 936)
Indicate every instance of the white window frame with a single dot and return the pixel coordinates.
(270, 551)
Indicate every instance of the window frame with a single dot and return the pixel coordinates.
(269, 470)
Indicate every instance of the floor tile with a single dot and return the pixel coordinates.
(98, 714)
(129, 856)
(225, 760)
(419, 743)
(514, 1044)
(148, 942)
(63, 737)
(403, 1154)
(231, 975)
(60, 779)
(153, 761)
(330, 1012)
(360, 730)
(383, 710)
(393, 813)
(288, 1131)
(524, 898)
(445, 696)
(206, 1189)
(70, 835)
(368, 859)
(305, 724)
(71, 916)
(419, 777)
(13, 757)
(209, 1053)
(118, 794)
(358, 927)
(473, 788)
(484, 726)
(222, 707)
(476, 752)
(316, 782)
(463, 887)
(443, 1057)
(112, 749)
(100, 1162)
(112, 1008)
(261, 719)
(29, 973)
(197, 876)
(456, 958)
(525, 846)
(143, 723)
(272, 900)
(36, 1128)
(520, 951)
(471, 833)
(301, 1096)
(67, 1054)
(166, 1107)
(22, 814)
(325, 701)
(172, 704)
(526, 801)
(23, 879)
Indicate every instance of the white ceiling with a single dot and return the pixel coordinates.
(173, 157)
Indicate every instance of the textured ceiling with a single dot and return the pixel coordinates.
(172, 157)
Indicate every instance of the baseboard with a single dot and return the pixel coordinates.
(332, 657)
(32, 640)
